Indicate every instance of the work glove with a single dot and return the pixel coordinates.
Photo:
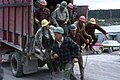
(36, 20)
(90, 37)
(55, 56)
(107, 36)
(75, 60)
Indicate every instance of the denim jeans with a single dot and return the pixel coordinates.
(68, 71)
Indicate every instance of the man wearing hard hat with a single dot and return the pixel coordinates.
(76, 36)
(44, 36)
(42, 12)
(80, 23)
(90, 29)
(66, 51)
(70, 11)
(60, 16)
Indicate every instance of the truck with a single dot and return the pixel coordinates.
(17, 35)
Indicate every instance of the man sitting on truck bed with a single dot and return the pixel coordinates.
(41, 13)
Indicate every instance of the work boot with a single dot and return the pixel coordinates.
(91, 48)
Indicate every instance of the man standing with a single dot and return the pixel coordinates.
(90, 29)
(76, 36)
(66, 51)
(60, 17)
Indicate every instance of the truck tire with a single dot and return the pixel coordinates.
(16, 65)
(100, 51)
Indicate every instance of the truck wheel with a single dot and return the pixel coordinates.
(41, 63)
(100, 51)
(16, 65)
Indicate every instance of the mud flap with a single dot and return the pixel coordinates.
(31, 66)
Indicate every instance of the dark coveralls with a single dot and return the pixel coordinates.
(90, 29)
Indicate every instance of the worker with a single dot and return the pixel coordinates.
(60, 17)
(75, 14)
(90, 29)
(81, 29)
(42, 12)
(44, 35)
(44, 39)
(76, 36)
(70, 10)
(66, 51)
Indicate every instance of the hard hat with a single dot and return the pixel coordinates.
(44, 22)
(64, 4)
(92, 21)
(82, 18)
(43, 2)
(73, 27)
(59, 30)
(70, 5)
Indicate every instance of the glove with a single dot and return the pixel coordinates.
(36, 20)
(55, 56)
(75, 60)
(107, 35)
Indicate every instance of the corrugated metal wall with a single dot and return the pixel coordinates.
(15, 20)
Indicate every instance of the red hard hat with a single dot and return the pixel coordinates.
(43, 2)
(70, 5)
(82, 18)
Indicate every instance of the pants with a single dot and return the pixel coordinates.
(80, 62)
(1, 72)
(94, 40)
(68, 71)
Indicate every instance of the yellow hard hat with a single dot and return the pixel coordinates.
(92, 21)
(44, 22)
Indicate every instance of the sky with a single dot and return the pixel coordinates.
(99, 4)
